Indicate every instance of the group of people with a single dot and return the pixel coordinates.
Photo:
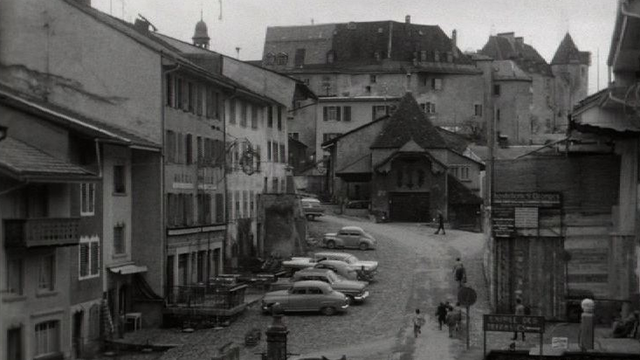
(446, 314)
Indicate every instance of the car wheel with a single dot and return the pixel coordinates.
(328, 310)
(363, 246)
(351, 300)
(331, 244)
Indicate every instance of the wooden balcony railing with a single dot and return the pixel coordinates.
(200, 296)
(35, 232)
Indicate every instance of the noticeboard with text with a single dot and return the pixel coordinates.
(513, 323)
(520, 210)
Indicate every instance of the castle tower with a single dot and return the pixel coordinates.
(201, 37)
(570, 67)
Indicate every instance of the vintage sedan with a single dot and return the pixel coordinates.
(368, 266)
(312, 295)
(349, 236)
(355, 290)
(339, 267)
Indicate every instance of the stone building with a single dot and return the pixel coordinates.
(359, 70)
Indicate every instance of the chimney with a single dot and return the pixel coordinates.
(520, 40)
(141, 26)
(454, 43)
(407, 19)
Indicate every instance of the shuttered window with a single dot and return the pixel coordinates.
(89, 257)
(346, 110)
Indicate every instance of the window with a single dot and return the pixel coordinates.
(179, 94)
(299, 59)
(268, 150)
(436, 83)
(87, 199)
(232, 111)
(119, 239)
(282, 59)
(219, 208)
(199, 90)
(428, 107)
(169, 83)
(373, 79)
(189, 149)
(274, 189)
(15, 276)
(329, 136)
(279, 117)
(237, 204)
(283, 154)
(14, 343)
(331, 56)
(294, 135)
(477, 110)
(275, 152)
(119, 180)
(47, 272)
(377, 55)
(270, 116)
(461, 172)
(423, 55)
(270, 59)
(496, 89)
(199, 150)
(243, 114)
(346, 112)
(171, 146)
(89, 257)
(436, 56)
(331, 113)
(379, 111)
(254, 117)
(47, 338)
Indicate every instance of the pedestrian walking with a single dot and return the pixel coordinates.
(520, 310)
(453, 320)
(459, 273)
(418, 322)
(440, 220)
(441, 314)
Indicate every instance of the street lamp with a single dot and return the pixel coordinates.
(3, 132)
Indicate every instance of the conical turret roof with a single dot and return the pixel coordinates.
(568, 53)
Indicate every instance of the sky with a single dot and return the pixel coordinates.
(243, 23)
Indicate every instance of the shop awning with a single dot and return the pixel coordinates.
(128, 269)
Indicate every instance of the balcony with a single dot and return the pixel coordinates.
(36, 232)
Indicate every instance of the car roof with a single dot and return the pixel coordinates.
(316, 283)
(336, 263)
(352, 228)
(313, 271)
(335, 254)
(310, 200)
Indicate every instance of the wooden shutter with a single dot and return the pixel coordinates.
(95, 258)
(84, 259)
(325, 113)
(338, 113)
(347, 113)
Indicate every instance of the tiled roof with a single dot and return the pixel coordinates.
(355, 44)
(71, 120)
(458, 194)
(409, 123)
(568, 53)
(504, 47)
(509, 70)
(27, 162)
(454, 141)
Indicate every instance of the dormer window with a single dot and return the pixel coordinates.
(331, 56)
(270, 59)
(436, 56)
(282, 59)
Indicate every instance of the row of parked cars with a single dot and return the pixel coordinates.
(328, 282)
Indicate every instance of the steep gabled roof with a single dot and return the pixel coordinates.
(507, 47)
(409, 123)
(568, 53)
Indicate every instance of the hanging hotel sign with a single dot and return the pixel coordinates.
(520, 210)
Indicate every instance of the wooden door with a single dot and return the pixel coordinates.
(410, 207)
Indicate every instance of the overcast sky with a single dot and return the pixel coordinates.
(243, 23)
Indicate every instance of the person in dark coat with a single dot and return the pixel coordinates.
(441, 314)
(440, 223)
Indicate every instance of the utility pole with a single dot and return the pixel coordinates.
(490, 120)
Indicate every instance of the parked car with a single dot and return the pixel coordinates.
(339, 267)
(358, 204)
(349, 236)
(368, 266)
(355, 290)
(310, 295)
(312, 208)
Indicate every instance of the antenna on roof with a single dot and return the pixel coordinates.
(238, 51)
(220, 16)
